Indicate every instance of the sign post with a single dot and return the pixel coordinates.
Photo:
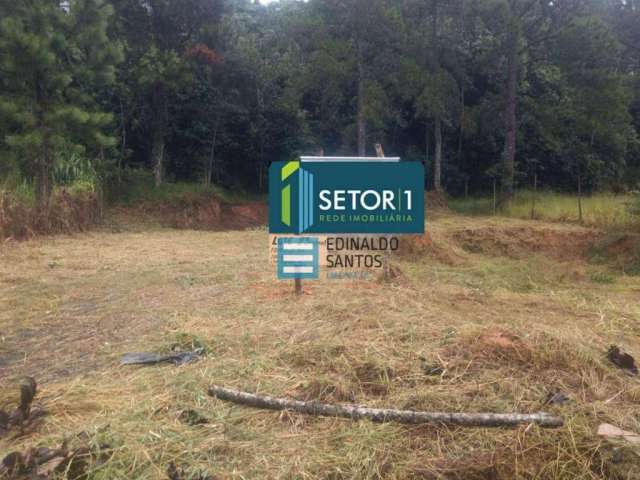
(354, 204)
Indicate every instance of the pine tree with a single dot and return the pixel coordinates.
(55, 56)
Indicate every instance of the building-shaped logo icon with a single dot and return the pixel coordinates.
(297, 201)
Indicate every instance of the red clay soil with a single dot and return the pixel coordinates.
(207, 212)
(67, 213)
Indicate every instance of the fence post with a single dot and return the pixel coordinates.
(494, 196)
(535, 194)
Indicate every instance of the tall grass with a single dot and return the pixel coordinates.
(75, 172)
(599, 210)
(137, 186)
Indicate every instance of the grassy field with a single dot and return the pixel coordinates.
(601, 210)
(509, 310)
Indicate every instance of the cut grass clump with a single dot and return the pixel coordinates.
(325, 390)
(189, 342)
(537, 353)
(372, 378)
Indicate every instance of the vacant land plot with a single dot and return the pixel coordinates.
(483, 315)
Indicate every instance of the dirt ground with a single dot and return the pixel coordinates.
(508, 311)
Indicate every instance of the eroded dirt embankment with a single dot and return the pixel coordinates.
(454, 240)
(208, 212)
(66, 213)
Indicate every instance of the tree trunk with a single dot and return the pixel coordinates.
(461, 129)
(508, 170)
(535, 194)
(212, 153)
(43, 177)
(261, 174)
(159, 132)
(427, 147)
(123, 139)
(45, 157)
(362, 123)
(437, 159)
(157, 154)
(437, 121)
(579, 197)
(495, 197)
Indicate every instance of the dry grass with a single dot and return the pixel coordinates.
(67, 213)
(506, 328)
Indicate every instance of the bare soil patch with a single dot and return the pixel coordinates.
(205, 211)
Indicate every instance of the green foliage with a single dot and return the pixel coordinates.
(76, 170)
(53, 61)
(211, 91)
(18, 186)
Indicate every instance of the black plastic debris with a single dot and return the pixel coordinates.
(557, 398)
(431, 369)
(622, 360)
(147, 358)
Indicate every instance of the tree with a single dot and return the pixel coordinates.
(432, 75)
(54, 57)
(521, 26)
(355, 39)
(158, 34)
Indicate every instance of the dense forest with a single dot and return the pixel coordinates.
(213, 91)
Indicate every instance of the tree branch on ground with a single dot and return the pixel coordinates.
(383, 415)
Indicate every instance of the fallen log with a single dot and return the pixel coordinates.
(357, 412)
